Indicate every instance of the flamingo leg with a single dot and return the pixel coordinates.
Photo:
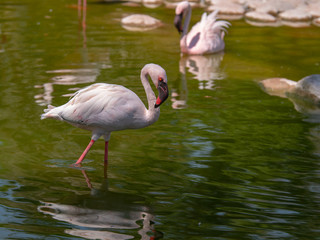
(85, 152)
(106, 153)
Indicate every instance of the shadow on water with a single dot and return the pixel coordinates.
(104, 214)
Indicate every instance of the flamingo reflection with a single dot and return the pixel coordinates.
(64, 77)
(205, 68)
(82, 7)
(103, 213)
(86, 73)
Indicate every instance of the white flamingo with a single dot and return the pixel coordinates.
(103, 108)
(205, 36)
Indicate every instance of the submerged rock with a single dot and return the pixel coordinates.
(305, 94)
(140, 22)
(278, 86)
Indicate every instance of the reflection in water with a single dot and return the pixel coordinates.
(86, 74)
(179, 93)
(3, 40)
(104, 209)
(64, 77)
(83, 14)
(205, 68)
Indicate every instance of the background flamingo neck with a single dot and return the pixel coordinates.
(183, 39)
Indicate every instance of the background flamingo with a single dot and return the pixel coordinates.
(103, 108)
(205, 36)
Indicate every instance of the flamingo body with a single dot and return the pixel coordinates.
(103, 108)
(206, 36)
(97, 106)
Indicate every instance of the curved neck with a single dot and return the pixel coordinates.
(186, 21)
(151, 97)
(152, 113)
(183, 39)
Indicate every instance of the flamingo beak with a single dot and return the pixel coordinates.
(178, 22)
(163, 93)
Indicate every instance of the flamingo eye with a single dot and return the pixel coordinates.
(160, 79)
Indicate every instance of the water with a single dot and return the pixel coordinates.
(224, 161)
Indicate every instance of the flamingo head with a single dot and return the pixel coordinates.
(163, 91)
(159, 78)
(178, 22)
(180, 11)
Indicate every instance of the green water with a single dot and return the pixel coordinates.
(224, 161)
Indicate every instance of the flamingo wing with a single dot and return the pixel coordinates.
(207, 34)
(107, 106)
(194, 36)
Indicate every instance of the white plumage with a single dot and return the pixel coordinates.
(103, 108)
(206, 36)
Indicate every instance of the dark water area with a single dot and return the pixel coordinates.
(224, 161)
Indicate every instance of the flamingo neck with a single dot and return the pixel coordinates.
(152, 113)
(183, 39)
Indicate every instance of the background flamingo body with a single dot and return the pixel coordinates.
(206, 36)
(102, 108)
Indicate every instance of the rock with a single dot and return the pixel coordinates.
(227, 8)
(279, 5)
(140, 22)
(278, 86)
(267, 8)
(314, 9)
(260, 16)
(316, 22)
(305, 94)
(297, 15)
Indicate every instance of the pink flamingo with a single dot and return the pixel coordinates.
(103, 108)
(205, 36)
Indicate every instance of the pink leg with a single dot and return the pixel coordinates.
(106, 153)
(85, 152)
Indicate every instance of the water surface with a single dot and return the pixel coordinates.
(224, 161)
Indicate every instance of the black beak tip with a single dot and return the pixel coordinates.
(177, 22)
(163, 94)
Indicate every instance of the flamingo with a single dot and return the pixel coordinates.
(103, 108)
(205, 36)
